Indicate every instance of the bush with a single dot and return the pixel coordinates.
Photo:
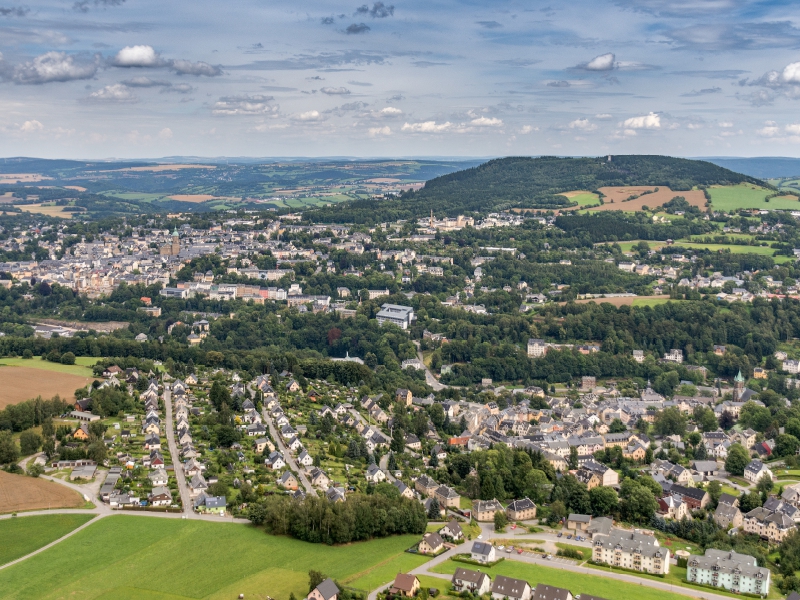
(27, 354)
(570, 553)
(68, 358)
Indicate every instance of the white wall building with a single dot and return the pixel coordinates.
(729, 570)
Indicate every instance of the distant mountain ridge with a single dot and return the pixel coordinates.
(523, 182)
(763, 167)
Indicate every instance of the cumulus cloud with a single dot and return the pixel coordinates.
(199, 68)
(335, 91)
(357, 28)
(245, 105)
(379, 10)
(31, 126)
(116, 93)
(14, 11)
(582, 124)
(526, 129)
(770, 129)
(604, 62)
(427, 127)
(650, 121)
(49, 67)
(309, 116)
(165, 133)
(603, 116)
(138, 57)
(146, 82)
(486, 122)
(390, 111)
(378, 131)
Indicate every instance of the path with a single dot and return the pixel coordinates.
(50, 545)
(177, 466)
(287, 456)
(429, 378)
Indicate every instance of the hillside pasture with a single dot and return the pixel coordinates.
(583, 197)
(45, 209)
(745, 195)
(132, 557)
(616, 198)
(20, 492)
(24, 535)
(625, 300)
(200, 198)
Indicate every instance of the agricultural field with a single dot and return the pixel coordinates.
(45, 209)
(23, 535)
(616, 198)
(22, 379)
(626, 300)
(735, 197)
(20, 492)
(197, 198)
(189, 559)
(583, 198)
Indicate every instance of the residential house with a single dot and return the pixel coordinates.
(467, 580)
(483, 552)
(630, 550)
(756, 470)
(728, 515)
(327, 590)
(374, 474)
(578, 522)
(432, 543)
(521, 510)
(738, 573)
(508, 587)
(549, 592)
(484, 510)
(452, 531)
(447, 497)
(288, 481)
(405, 585)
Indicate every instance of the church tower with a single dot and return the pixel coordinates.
(738, 386)
(176, 243)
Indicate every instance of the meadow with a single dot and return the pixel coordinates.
(745, 195)
(133, 557)
(23, 535)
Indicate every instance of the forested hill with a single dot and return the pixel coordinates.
(530, 183)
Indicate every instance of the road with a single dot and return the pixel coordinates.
(177, 465)
(287, 456)
(429, 378)
(383, 463)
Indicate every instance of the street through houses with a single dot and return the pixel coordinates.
(177, 466)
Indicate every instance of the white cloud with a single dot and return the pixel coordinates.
(695, 126)
(114, 94)
(770, 129)
(308, 116)
(582, 124)
(726, 124)
(486, 122)
(793, 129)
(165, 134)
(791, 73)
(604, 62)
(376, 131)
(31, 126)
(650, 121)
(138, 56)
(53, 66)
(427, 127)
(335, 91)
(526, 129)
(245, 105)
(390, 111)
(199, 68)
(602, 116)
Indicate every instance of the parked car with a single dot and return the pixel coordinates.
(560, 534)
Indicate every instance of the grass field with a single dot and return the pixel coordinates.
(745, 195)
(22, 379)
(20, 492)
(583, 198)
(577, 583)
(651, 301)
(626, 300)
(23, 535)
(385, 571)
(131, 557)
(51, 211)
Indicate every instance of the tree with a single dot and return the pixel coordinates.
(217, 489)
(434, 461)
(765, 485)
(398, 442)
(97, 451)
(726, 420)
(748, 502)
(30, 442)
(638, 502)
(737, 460)
(670, 421)
(500, 520)
(557, 512)
(705, 419)
(9, 453)
(434, 510)
(786, 445)
(68, 358)
(604, 500)
(617, 426)
(391, 463)
(714, 489)
(314, 579)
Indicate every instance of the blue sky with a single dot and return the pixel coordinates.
(139, 78)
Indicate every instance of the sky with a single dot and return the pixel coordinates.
(139, 78)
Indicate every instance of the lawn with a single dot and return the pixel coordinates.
(386, 571)
(140, 557)
(651, 301)
(583, 198)
(83, 365)
(577, 583)
(23, 535)
(745, 195)
(737, 249)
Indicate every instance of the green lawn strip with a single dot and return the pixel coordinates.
(37, 363)
(577, 583)
(22, 535)
(675, 577)
(186, 558)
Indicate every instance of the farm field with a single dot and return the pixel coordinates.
(199, 198)
(187, 559)
(577, 583)
(82, 367)
(738, 249)
(41, 209)
(745, 195)
(18, 384)
(23, 535)
(582, 197)
(386, 571)
(626, 300)
(662, 196)
(20, 492)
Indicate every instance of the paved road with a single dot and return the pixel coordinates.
(177, 466)
(287, 456)
(383, 463)
(429, 378)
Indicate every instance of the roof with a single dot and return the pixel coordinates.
(728, 562)
(405, 582)
(469, 575)
(509, 587)
(522, 504)
(327, 589)
(433, 540)
(579, 518)
(549, 592)
(482, 548)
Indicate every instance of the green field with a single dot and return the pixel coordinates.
(81, 367)
(133, 557)
(652, 301)
(585, 199)
(745, 195)
(577, 583)
(23, 535)
(385, 571)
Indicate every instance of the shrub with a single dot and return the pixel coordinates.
(68, 358)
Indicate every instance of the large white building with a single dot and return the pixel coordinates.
(630, 550)
(402, 316)
(728, 570)
(536, 348)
